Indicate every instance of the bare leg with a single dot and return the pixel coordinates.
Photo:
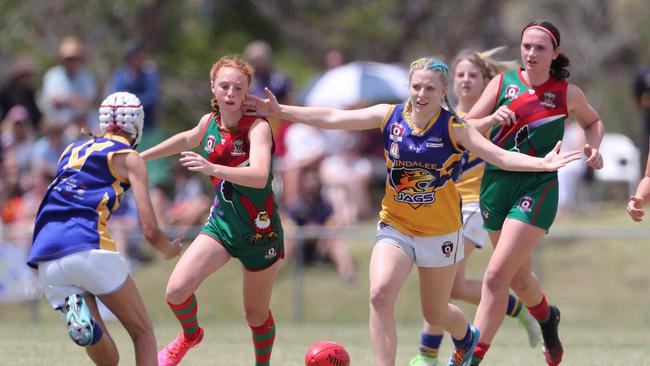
(202, 258)
(104, 352)
(128, 307)
(389, 268)
(512, 253)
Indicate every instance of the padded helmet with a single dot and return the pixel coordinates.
(122, 111)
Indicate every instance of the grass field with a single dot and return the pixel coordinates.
(601, 285)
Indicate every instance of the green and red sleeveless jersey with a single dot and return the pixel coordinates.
(541, 112)
(241, 213)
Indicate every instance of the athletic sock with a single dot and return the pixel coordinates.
(480, 350)
(541, 311)
(514, 305)
(186, 315)
(263, 338)
(465, 343)
(429, 344)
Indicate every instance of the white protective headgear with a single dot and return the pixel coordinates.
(122, 111)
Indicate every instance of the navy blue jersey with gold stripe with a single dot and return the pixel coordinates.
(421, 197)
(76, 207)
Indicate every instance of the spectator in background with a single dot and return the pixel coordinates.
(334, 58)
(49, 148)
(69, 89)
(140, 77)
(315, 216)
(17, 138)
(258, 54)
(266, 75)
(190, 205)
(642, 99)
(19, 89)
(346, 178)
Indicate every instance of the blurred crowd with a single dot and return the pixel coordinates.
(322, 180)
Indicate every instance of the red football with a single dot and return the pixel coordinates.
(325, 353)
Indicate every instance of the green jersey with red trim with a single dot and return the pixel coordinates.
(541, 112)
(240, 213)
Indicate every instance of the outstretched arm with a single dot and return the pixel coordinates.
(181, 141)
(322, 117)
(509, 160)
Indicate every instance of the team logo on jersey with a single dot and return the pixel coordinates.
(237, 148)
(447, 248)
(209, 144)
(512, 91)
(394, 150)
(396, 132)
(486, 214)
(548, 100)
(414, 186)
(271, 253)
(526, 204)
(261, 220)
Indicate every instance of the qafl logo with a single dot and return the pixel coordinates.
(396, 132)
(512, 91)
(209, 144)
(447, 248)
(526, 204)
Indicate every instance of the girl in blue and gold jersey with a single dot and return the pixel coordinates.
(420, 221)
(72, 249)
(472, 71)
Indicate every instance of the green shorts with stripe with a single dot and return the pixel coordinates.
(524, 196)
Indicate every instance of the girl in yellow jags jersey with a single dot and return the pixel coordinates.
(472, 71)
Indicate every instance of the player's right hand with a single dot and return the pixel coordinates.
(635, 209)
(174, 249)
(504, 116)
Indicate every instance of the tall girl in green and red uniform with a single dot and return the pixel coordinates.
(525, 111)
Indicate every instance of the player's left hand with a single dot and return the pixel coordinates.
(195, 162)
(268, 107)
(635, 208)
(594, 158)
(555, 160)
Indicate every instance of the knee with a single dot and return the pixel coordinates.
(521, 283)
(176, 293)
(436, 316)
(495, 280)
(143, 328)
(380, 298)
(255, 317)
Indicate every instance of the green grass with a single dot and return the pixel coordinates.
(601, 285)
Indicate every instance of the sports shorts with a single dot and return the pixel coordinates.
(97, 271)
(524, 196)
(473, 225)
(425, 251)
